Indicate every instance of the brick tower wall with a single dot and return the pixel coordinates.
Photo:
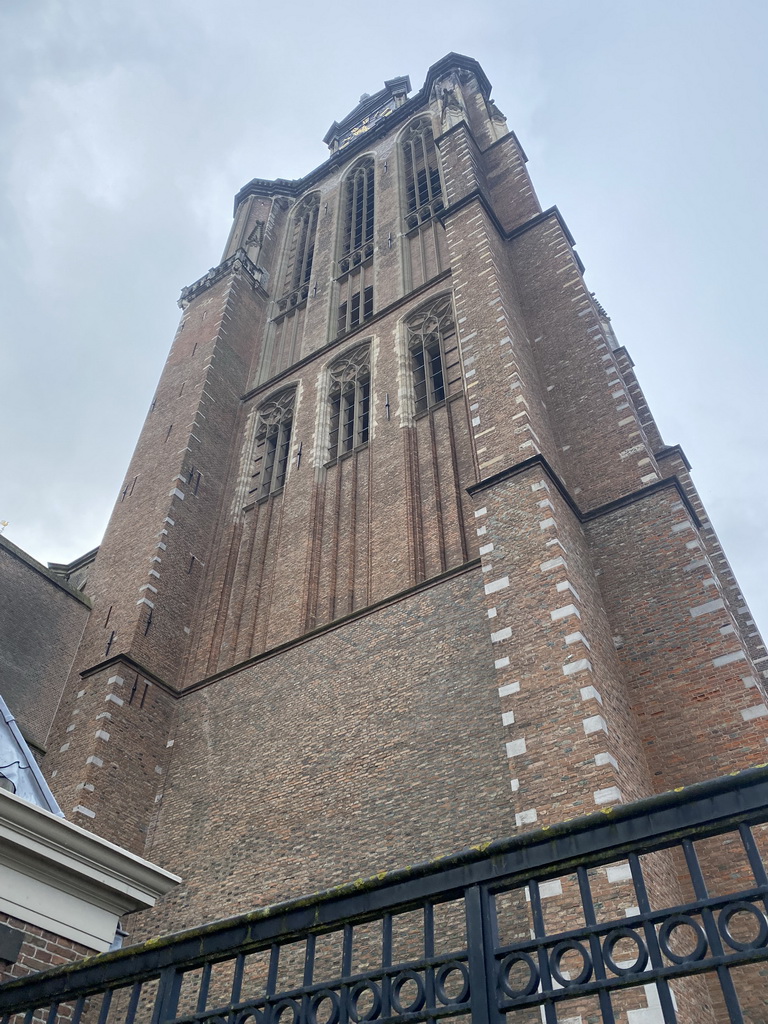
(506, 611)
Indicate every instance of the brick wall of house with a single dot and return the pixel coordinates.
(40, 950)
(41, 622)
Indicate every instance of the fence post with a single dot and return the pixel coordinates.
(480, 957)
(167, 999)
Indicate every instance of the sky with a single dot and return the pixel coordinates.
(127, 127)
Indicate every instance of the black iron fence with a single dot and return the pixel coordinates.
(656, 909)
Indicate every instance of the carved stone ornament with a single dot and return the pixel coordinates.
(236, 263)
(494, 113)
(451, 107)
(351, 365)
(276, 409)
(255, 241)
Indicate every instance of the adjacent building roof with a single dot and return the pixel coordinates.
(19, 772)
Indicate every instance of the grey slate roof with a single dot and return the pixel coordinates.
(18, 768)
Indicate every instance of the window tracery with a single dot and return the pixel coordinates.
(272, 444)
(356, 248)
(349, 398)
(434, 354)
(301, 253)
(423, 189)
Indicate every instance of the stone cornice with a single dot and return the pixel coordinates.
(94, 862)
(673, 450)
(296, 641)
(126, 661)
(77, 563)
(540, 462)
(479, 196)
(328, 627)
(237, 262)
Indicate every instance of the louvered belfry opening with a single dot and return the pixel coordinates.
(301, 253)
(434, 352)
(424, 246)
(349, 397)
(423, 190)
(273, 445)
(284, 345)
(355, 264)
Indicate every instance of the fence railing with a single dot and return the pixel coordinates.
(658, 905)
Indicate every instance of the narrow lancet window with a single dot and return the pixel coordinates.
(357, 229)
(301, 253)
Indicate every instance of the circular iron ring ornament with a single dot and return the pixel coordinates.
(533, 981)
(724, 921)
(277, 1011)
(675, 921)
(250, 1013)
(609, 944)
(315, 1002)
(558, 952)
(397, 984)
(442, 975)
(354, 995)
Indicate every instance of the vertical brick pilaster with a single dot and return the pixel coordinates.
(107, 770)
(572, 745)
(699, 703)
(602, 447)
(673, 462)
(509, 422)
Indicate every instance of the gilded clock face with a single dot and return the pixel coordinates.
(365, 125)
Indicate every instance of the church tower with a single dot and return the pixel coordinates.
(401, 563)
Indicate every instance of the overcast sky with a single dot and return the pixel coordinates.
(127, 127)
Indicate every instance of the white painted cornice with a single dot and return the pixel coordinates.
(57, 876)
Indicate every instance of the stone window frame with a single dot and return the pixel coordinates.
(349, 402)
(355, 247)
(300, 253)
(421, 200)
(272, 444)
(431, 343)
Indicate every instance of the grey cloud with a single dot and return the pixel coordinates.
(127, 128)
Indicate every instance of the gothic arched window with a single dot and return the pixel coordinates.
(273, 444)
(301, 252)
(434, 354)
(349, 397)
(356, 247)
(423, 244)
(423, 190)
(357, 207)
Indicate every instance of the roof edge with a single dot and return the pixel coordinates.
(268, 188)
(50, 574)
